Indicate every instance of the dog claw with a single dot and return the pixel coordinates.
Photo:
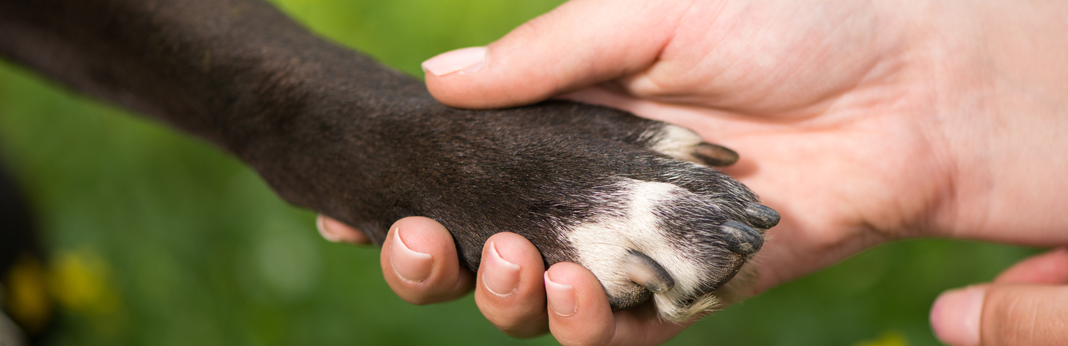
(646, 272)
(761, 216)
(741, 238)
(715, 155)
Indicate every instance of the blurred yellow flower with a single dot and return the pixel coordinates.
(890, 338)
(81, 282)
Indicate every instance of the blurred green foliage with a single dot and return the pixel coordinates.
(194, 249)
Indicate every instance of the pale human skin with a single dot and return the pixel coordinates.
(861, 122)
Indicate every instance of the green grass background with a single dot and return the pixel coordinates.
(192, 248)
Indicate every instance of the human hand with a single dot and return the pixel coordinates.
(858, 122)
(1024, 305)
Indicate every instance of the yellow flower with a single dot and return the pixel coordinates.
(887, 339)
(81, 282)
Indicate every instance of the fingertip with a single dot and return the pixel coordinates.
(463, 60)
(516, 249)
(500, 277)
(420, 263)
(423, 234)
(561, 297)
(508, 259)
(409, 265)
(510, 292)
(575, 45)
(956, 315)
(589, 295)
(579, 310)
(335, 231)
(590, 320)
(485, 85)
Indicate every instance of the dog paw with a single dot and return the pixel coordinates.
(661, 241)
(677, 235)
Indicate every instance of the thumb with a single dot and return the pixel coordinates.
(580, 43)
(1026, 305)
(1002, 314)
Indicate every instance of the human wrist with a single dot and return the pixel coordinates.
(1003, 123)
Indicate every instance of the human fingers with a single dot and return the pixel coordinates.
(420, 264)
(579, 313)
(337, 232)
(580, 43)
(509, 289)
(1027, 304)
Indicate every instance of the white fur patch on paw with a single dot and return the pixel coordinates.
(634, 221)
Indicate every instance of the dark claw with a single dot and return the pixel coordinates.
(646, 272)
(741, 238)
(762, 216)
(715, 155)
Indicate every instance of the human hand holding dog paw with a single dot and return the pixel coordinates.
(859, 122)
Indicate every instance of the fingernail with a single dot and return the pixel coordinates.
(956, 314)
(500, 276)
(409, 264)
(561, 297)
(468, 60)
(320, 223)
